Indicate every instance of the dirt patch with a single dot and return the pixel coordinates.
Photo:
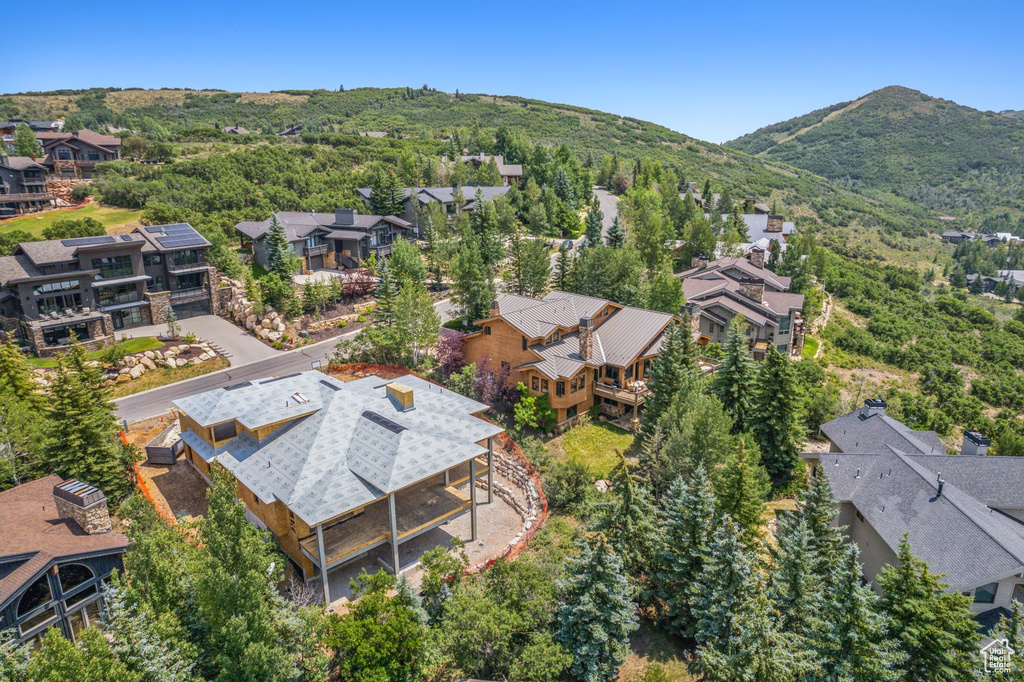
(498, 100)
(44, 106)
(123, 100)
(270, 98)
(177, 490)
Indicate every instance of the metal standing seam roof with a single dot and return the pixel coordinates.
(353, 448)
(956, 534)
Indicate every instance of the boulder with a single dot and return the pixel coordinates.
(181, 362)
(204, 357)
(148, 363)
(273, 315)
(274, 336)
(170, 363)
(212, 353)
(169, 354)
(280, 326)
(194, 361)
(264, 333)
(122, 379)
(136, 371)
(149, 354)
(130, 361)
(158, 354)
(196, 345)
(250, 321)
(124, 370)
(265, 322)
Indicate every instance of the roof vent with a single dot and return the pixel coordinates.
(942, 484)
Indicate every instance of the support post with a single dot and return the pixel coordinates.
(447, 478)
(323, 565)
(394, 531)
(490, 469)
(472, 499)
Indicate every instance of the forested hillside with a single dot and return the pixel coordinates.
(946, 157)
(334, 117)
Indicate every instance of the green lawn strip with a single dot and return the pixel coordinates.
(35, 223)
(162, 376)
(596, 446)
(131, 346)
(810, 348)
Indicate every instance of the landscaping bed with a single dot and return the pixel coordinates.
(596, 445)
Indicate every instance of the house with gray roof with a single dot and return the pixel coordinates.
(342, 239)
(721, 290)
(511, 173)
(579, 351)
(22, 186)
(338, 469)
(452, 199)
(963, 513)
(92, 286)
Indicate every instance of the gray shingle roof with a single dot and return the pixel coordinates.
(426, 195)
(298, 225)
(859, 432)
(956, 534)
(14, 268)
(352, 446)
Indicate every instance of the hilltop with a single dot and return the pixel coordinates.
(946, 157)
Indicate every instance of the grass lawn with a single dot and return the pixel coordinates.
(596, 445)
(652, 648)
(116, 220)
(131, 346)
(257, 271)
(162, 376)
(810, 348)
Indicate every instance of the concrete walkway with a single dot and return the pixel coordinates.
(240, 347)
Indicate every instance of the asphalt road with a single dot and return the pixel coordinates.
(609, 207)
(158, 400)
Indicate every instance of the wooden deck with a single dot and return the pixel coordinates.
(417, 508)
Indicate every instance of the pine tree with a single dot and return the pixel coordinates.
(757, 648)
(592, 233)
(563, 268)
(386, 197)
(675, 363)
(721, 588)
(933, 627)
(81, 431)
(279, 258)
(172, 324)
(562, 187)
(16, 373)
(1012, 630)
(616, 236)
(472, 282)
(741, 487)
(25, 143)
(794, 587)
(775, 417)
(595, 612)
(736, 379)
(819, 510)
(856, 645)
(630, 523)
(529, 268)
(689, 517)
(385, 295)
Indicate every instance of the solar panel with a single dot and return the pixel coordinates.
(84, 241)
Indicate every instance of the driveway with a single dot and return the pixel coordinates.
(238, 346)
(609, 206)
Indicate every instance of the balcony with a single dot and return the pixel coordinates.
(317, 250)
(25, 196)
(382, 250)
(193, 292)
(622, 395)
(187, 267)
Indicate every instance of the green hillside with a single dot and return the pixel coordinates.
(945, 157)
(884, 227)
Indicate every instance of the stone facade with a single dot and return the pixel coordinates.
(159, 302)
(100, 332)
(92, 519)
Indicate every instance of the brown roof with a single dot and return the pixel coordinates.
(84, 135)
(32, 533)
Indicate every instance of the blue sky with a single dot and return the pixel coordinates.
(710, 71)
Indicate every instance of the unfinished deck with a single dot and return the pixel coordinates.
(417, 508)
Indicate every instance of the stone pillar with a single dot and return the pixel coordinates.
(159, 302)
(34, 335)
(221, 301)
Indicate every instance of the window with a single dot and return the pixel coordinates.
(62, 335)
(524, 343)
(73, 575)
(1018, 592)
(127, 318)
(188, 257)
(784, 324)
(113, 266)
(123, 293)
(986, 594)
(647, 369)
(570, 412)
(543, 385)
(193, 280)
(782, 348)
(224, 431)
(583, 379)
(58, 303)
(556, 336)
(152, 259)
(860, 517)
(51, 287)
(36, 596)
(559, 388)
(505, 365)
(572, 385)
(157, 283)
(487, 330)
(535, 384)
(64, 154)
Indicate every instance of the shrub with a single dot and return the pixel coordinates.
(342, 324)
(567, 485)
(190, 338)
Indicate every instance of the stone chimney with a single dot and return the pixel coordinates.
(400, 396)
(774, 224)
(691, 311)
(873, 406)
(84, 504)
(752, 287)
(974, 444)
(495, 309)
(586, 338)
(757, 257)
(345, 216)
(699, 262)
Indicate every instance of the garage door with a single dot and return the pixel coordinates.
(316, 262)
(184, 311)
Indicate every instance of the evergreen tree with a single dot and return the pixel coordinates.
(819, 510)
(630, 522)
(385, 295)
(775, 417)
(172, 323)
(562, 187)
(81, 430)
(280, 259)
(741, 487)
(529, 268)
(595, 612)
(933, 627)
(856, 645)
(719, 591)
(25, 143)
(1012, 630)
(689, 518)
(756, 649)
(16, 373)
(592, 233)
(735, 381)
(387, 197)
(794, 587)
(616, 236)
(675, 363)
(472, 282)
(563, 268)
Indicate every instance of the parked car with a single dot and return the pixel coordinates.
(568, 244)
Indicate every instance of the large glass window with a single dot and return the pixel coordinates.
(127, 318)
(986, 594)
(37, 595)
(784, 324)
(62, 336)
(187, 257)
(1018, 592)
(73, 575)
(51, 287)
(152, 259)
(58, 303)
(122, 293)
(113, 266)
(193, 280)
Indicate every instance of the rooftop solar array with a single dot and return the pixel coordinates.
(87, 241)
(176, 236)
